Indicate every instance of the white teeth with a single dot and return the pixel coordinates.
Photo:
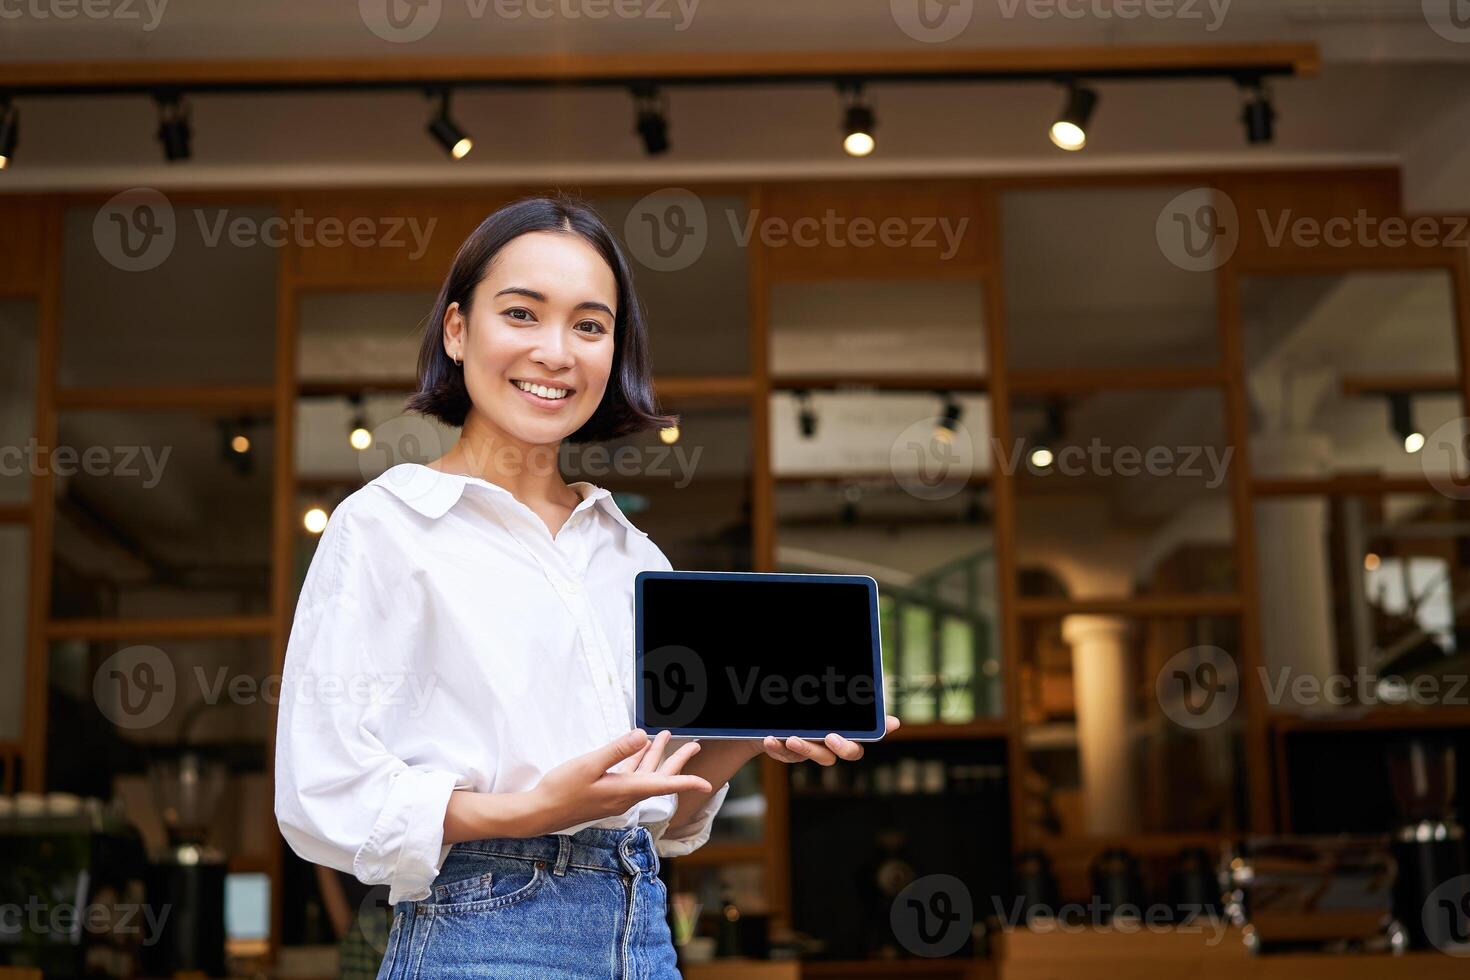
(542, 390)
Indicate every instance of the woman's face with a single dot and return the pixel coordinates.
(543, 315)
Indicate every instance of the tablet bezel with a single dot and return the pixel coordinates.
(880, 707)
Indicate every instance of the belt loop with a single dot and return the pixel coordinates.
(563, 855)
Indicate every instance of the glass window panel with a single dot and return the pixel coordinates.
(15, 579)
(17, 397)
(121, 710)
(890, 433)
(148, 306)
(361, 336)
(1087, 283)
(934, 562)
(697, 316)
(742, 818)
(1123, 493)
(878, 327)
(1365, 601)
(1328, 356)
(692, 496)
(158, 514)
(1122, 735)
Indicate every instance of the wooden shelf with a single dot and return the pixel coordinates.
(165, 628)
(175, 398)
(881, 382)
(927, 731)
(1070, 381)
(1342, 485)
(1384, 384)
(1048, 607)
(1376, 719)
(733, 852)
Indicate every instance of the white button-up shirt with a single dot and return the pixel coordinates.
(445, 640)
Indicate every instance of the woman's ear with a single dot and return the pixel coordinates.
(454, 333)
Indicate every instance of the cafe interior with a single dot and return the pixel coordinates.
(1126, 346)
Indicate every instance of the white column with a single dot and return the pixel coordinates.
(1100, 681)
(1297, 633)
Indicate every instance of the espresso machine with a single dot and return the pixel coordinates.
(188, 877)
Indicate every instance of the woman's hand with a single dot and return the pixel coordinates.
(825, 753)
(612, 779)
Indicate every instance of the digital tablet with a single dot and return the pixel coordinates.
(750, 654)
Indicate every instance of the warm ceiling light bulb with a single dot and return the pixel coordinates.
(1041, 457)
(1371, 561)
(1070, 130)
(1413, 442)
(669, 434)
(240, 444)
(857, 127)
(314, 520)
(360, 438)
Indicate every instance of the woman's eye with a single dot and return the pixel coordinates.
(596, 326)
(518, 313)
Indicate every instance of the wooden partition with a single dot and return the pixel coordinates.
(979, 255)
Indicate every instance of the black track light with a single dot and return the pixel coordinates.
(1070, 129)
(1401, 417)
(858, 122)
(652, 122)
(173, 127)
(9, 131)
(448, 135)
(806, 417)
(949, 420)
(1259, 115)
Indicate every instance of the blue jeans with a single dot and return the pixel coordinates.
(586, 905)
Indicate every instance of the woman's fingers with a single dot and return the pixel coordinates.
(891, 724)
(844, 748)
(814, 751)
(654, 755)
(623, 747)
(646, 786)
(777, 750)
(674, 764)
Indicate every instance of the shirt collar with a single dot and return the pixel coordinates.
(432, 492)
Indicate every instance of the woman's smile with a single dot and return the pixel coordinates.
(542, 395)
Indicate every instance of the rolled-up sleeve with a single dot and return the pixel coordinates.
(694, 834)
(342, 799)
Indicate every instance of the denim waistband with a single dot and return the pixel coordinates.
(627, 851)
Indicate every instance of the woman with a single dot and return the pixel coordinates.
(458, 687)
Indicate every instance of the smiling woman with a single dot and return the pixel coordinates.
(515, 814)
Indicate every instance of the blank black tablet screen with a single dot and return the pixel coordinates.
(759, 654)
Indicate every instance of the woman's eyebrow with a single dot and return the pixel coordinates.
(541, 298)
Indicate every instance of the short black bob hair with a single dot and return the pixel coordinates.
(628, 405)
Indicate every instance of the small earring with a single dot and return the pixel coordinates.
(458, 362)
